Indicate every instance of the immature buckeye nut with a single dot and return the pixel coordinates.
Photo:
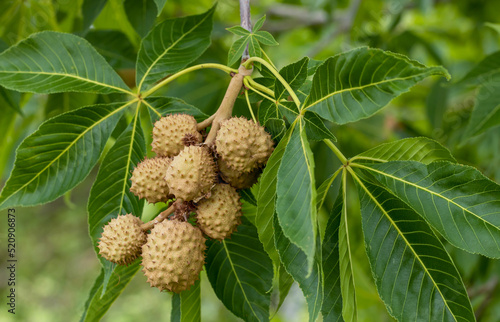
(173, 257)
(122, 239)
(243, 145)
(173, 132)
(148, 180)
(219, 215)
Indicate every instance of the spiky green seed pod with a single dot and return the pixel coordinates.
(122, 239)
(192, 173)
(243, 145)
(148, 180)
(239, 180)
(173, 256)
(171, 133)
(219, 215)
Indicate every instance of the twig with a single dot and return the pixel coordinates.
(246, 23)
(161, 217)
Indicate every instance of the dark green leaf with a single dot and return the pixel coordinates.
(316, 129)
(294, 74)
(59, 155)
(141, 14)
(161, 106)
(276, 127)
(51, 62)
(414, 274)
(171, 46)
(296, 264)
(90, 10)
(486, 113)
(296, 195)
(457, 200)
(268, 110)
(186, 306)
(10, 99)
(98, 303)
(59, 103)
(486, 71)
(421, 149)
(114, 46)
(332, 303)
(358, 83)
(436, 103)
(159, 5)
(241, 273)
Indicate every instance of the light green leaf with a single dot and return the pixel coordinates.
(296, 195)
(296, 264)
(332, 303)
(258, 24)
(414, 274)
(141, 14)
(266, 200)
(241, 273)
(171, 46)
(457, 200)
(419, 149)
(356, 84)
(59, 155)
(238, 31)
(486, 70)
(265, 38)
(160, 4)
(98, 303)
(236, 50)
(486, 113)
(52, 62)
(347, 283)
(186, 306)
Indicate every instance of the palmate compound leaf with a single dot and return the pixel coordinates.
(172, 45)
(358, 83)
(457, 200)
(52, 62)
(186, 306)
(414, 274)
(110, 196)
(241, 273)
(60, 154)
(296, 194)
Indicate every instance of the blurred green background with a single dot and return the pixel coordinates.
(56, 263)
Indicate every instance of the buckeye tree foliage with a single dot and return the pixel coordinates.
(412, 192)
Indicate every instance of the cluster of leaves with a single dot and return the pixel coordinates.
(410, 190)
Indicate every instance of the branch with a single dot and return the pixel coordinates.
(246, 23)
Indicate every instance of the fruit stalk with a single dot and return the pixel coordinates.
(161, 217)
(226, 107)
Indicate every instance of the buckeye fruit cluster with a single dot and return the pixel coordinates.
(203, 179)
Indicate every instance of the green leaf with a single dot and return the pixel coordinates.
(316, 129)
(238, 31)
(294, 74)
(186, 306)
(59, 103)
(296, 195)
(59, 155)
(457, 200)
(110, 195)
(332, 302)
(160, 4)
(296, 264)
(419, 149)
(236, 50)
(90, 10)
(258, 24)
(52, 62)
(161, 106)
(276, 127)
(414, 274)
(114, 46)
(356, 84)
(241, 273)
(254, 47)
(486, 112)
(487, 70)
(11, 99)
(267, 111)
(323, 189)
(98, 303)
(171, 46)
(266, 200)
(141, 14)
(265, 38)
(347, 283)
